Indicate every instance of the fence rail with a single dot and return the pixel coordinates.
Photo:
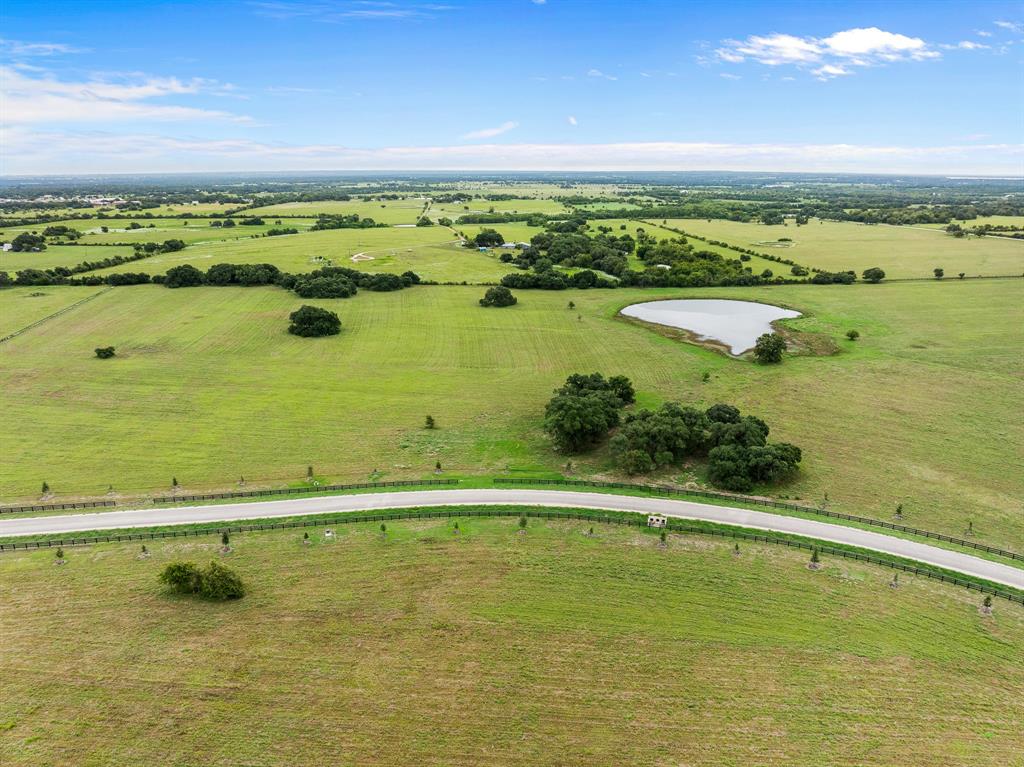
(303, 490)
(762, 502)
(626, 518)
(56, 506)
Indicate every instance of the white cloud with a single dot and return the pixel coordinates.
(730, 76)
(332, 12)
(599, 73)
(47, 100)
(572, 120)
(30, 152)
(20, 48)
(772, 50)
(1013, 26)
(505, 127)
(866, 44)
(539, 2)
(965, 45)
(982, 33)
(827, 57)
(828, 71)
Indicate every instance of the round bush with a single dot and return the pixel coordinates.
(312, 322)
(498, 296)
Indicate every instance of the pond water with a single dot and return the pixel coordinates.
(737, 324)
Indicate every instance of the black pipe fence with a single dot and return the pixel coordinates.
(303, 490)
(625, 518)
(57, 506)
(662, 490)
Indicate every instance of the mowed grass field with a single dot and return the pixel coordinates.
(208, 386)
(902, 251)
(490, 647)
(24, 306)
(61, 255)
(298, 253)
(405, 211)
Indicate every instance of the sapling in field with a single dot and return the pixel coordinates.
(815, 562)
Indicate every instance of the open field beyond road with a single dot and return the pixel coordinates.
(488, 647)
(207, 387)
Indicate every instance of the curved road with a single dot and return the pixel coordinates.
(180, 515)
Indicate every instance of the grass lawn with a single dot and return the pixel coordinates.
(901, 251)
(490, 647)
(982, 220)
(63, 255)
(385, 212)
(298, 252)
(23, 306)
(189, 230)
(208, 386)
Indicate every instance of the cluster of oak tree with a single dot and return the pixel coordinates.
(588, 408)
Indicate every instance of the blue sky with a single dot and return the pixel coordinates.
(928, 87)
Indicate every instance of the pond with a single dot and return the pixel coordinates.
(735, 324)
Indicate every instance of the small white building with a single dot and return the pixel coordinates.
(657, 520)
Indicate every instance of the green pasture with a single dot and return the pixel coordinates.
(207, 387)
(62, 255)
(981, 221)
(405, 211)
(20, 307)
(188, 230)
(309, 250)
(486, 645)
(902, 251)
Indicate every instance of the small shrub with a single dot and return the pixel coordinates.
(105, 352)
(46, 487)
(429, 423)
(522, 521)
(221, 583)
(215, 582)
(853, 335)
(182, 577)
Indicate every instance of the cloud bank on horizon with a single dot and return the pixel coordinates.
(337, 85)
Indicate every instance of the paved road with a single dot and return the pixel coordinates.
(922, 552)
